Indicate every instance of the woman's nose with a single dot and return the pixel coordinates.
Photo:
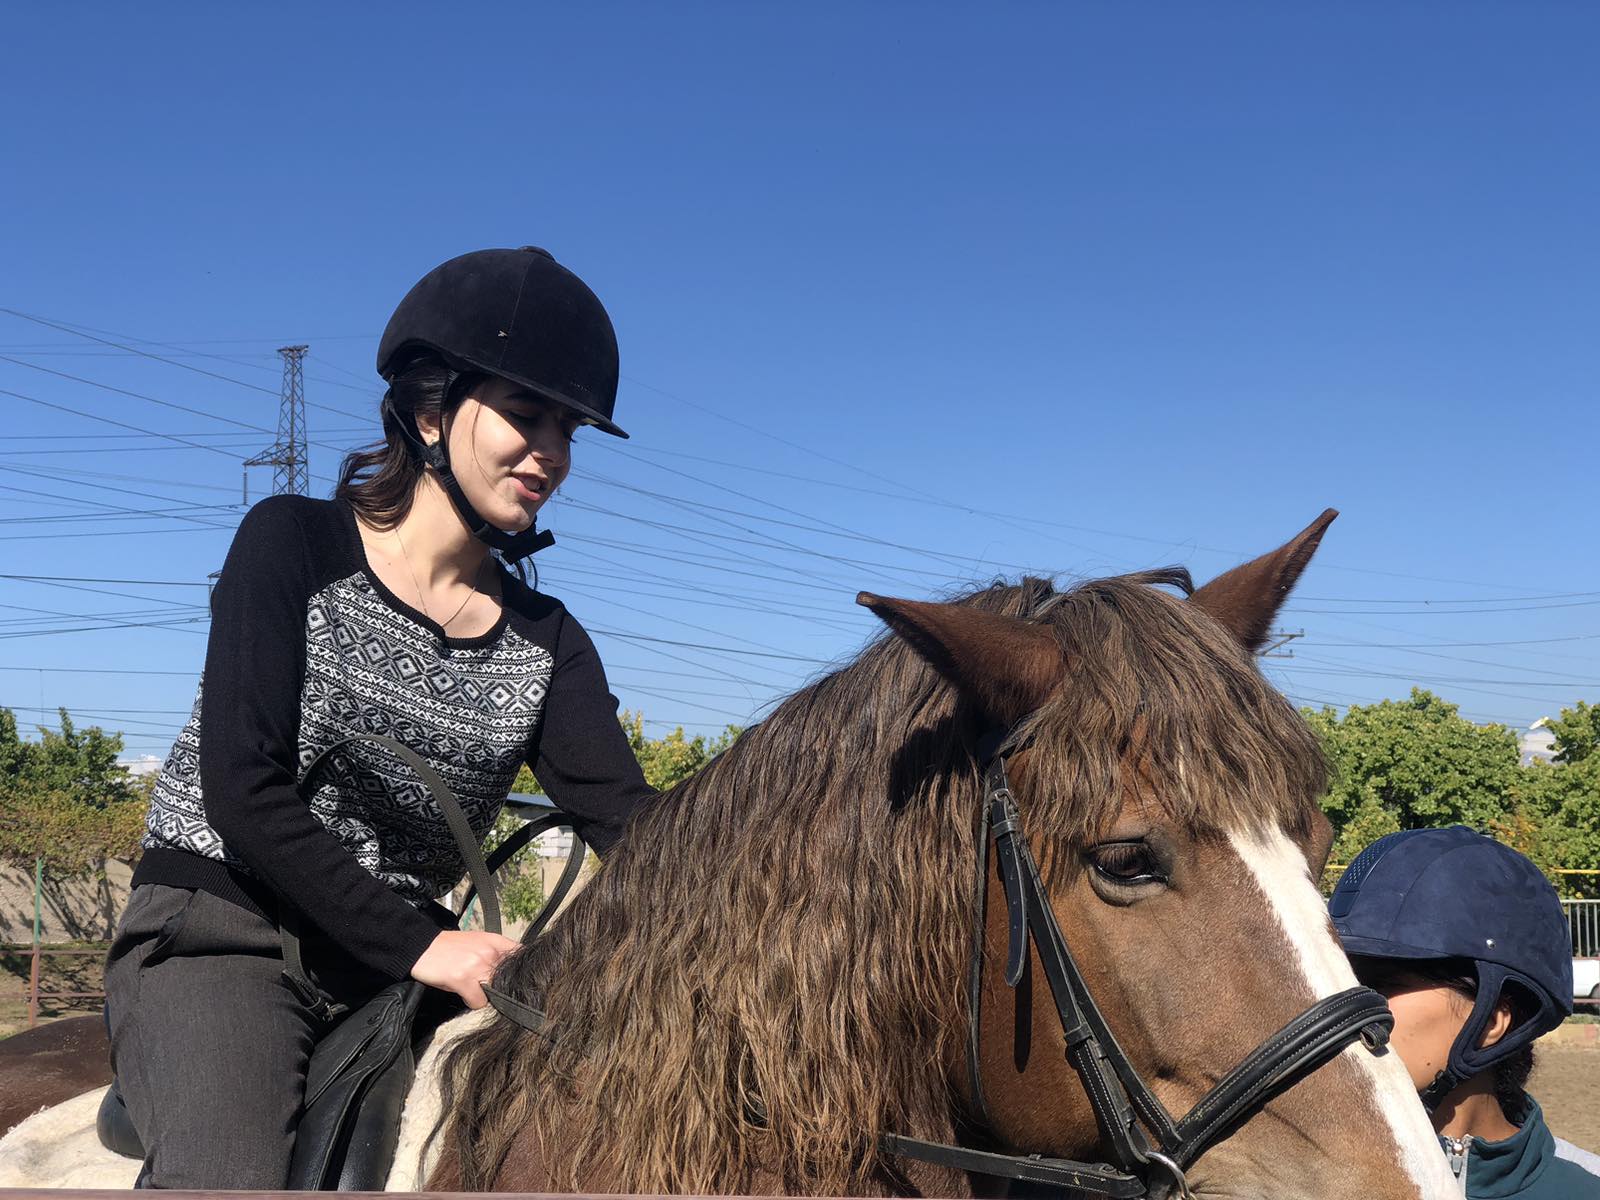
(551, 450)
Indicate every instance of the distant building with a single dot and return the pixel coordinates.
(557, 843)
(1537, 743)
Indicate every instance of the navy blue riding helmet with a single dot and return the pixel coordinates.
(1454, 893)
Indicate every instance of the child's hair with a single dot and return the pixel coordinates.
(1460, 975)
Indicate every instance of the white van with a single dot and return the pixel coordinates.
(1586, 979)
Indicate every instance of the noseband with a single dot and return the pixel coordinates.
(1148, 1160)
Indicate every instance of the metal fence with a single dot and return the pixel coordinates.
(1584, 918)
(36, 953)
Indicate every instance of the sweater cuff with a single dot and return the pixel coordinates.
(415, 936)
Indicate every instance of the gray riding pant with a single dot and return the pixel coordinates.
(208, 1042)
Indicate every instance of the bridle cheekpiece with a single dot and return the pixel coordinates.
(1149, 1149)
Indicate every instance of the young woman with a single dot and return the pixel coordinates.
(1468, 941)
(379, 611)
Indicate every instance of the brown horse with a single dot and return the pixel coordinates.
(771, 972)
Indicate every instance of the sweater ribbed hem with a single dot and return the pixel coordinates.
(180, 868)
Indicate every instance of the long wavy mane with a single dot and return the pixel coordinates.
(769, 970)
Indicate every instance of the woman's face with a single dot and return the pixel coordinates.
(509, 449)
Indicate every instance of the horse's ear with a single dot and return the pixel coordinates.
(1247, 599)
(1006, 665)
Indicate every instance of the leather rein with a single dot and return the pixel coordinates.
(1143, 1164)
(480, 872)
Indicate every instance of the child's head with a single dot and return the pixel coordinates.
(1467, 939)
(1432, 999)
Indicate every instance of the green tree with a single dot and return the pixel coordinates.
(1414, 763)
(65, 798)
(521, 880)
(666, 762)
(1577, 732)
(1566, 797)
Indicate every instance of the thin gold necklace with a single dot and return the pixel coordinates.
(423, 600)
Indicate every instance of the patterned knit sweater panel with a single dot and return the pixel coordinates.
(470, 713)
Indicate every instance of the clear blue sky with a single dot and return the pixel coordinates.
(1078, 288)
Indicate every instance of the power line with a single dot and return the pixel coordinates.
(107, 387)
(115, 508)
(1438, 612)
(101, 671)
(904, 490)
(177, 624)
(78, 412)
(908, 493)
(69, 437)
(63, 474)
(99, 518)
(95, 383)
(133, 350)
(1576, 637)
(1487, 600)
(80, 332)
(120, 534)
(91, 579)
(639, 637)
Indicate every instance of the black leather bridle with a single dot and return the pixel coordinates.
(1147, 1160)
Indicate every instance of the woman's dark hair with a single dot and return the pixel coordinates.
(380, 480)
(1460, 975)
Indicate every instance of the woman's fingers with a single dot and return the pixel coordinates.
(460, 961)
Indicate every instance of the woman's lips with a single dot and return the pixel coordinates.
(531, 494)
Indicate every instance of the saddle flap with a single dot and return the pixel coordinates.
(376, 1032)
(356, 1087)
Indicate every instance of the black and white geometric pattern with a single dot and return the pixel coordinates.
(470, 711)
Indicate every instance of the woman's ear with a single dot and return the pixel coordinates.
(428, 427)
(1499, 1025)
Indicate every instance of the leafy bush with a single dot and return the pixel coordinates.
(65, 798)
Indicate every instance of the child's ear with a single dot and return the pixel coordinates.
(1499, 1024)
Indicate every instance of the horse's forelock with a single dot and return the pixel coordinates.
(1157, 686)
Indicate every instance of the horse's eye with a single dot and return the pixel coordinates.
(1127, 863)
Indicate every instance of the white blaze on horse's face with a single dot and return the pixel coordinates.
(1279, 869)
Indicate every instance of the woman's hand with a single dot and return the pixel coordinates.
(462, 961)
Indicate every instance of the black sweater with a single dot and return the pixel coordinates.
(307, 646)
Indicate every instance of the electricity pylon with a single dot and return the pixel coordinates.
(291, 473)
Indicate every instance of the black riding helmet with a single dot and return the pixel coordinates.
(517, 314)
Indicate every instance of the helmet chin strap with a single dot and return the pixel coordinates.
(1443, 1084)
(512, 547)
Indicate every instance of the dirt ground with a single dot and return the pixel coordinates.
(1566, 1082)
